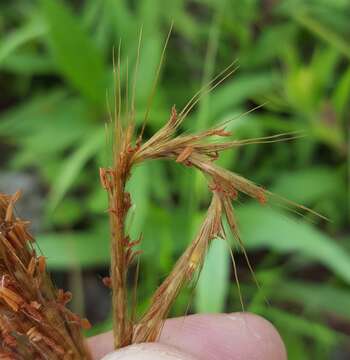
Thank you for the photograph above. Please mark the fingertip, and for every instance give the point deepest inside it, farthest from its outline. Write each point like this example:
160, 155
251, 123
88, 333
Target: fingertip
233, 336
262, 336
100, 345
225, 336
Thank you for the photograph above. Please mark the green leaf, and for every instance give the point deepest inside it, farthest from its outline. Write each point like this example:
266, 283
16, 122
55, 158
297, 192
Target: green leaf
308, 185
68, 212
75, 54
45, 126
139, 187
72, 166
342, 94
296, 348
149, 61
69, 250
185, 23
213, 281
31, 115
28, 63
18, 37
241, 88
103, 327
324, 65
316, 297
300, 325
264, 50
98, 200
158, 245
268, 228
324, 32
121, 20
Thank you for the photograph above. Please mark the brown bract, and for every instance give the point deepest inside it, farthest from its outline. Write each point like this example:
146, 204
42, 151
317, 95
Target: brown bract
34, 322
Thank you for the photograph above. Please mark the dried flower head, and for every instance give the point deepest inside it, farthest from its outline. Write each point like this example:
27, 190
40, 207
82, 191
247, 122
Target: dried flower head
34, 322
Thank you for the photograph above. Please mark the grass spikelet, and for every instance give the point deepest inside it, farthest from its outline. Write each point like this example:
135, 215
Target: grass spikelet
34, 322
149, 327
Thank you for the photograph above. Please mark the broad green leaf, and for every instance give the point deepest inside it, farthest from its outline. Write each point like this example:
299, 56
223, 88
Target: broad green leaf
213, 283
263, 227
73, 165
75, 54
69, 250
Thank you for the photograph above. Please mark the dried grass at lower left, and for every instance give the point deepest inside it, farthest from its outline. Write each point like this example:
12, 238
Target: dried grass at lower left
34, 321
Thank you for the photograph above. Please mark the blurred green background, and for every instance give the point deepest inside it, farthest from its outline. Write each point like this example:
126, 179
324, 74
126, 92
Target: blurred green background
55, 72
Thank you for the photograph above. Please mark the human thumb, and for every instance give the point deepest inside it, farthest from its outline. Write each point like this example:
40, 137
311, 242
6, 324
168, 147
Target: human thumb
150, 351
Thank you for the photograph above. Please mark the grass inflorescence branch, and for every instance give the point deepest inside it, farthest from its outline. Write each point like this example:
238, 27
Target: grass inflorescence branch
198, 150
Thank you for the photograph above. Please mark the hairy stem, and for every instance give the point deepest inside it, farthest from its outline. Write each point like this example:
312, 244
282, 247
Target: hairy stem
121, 325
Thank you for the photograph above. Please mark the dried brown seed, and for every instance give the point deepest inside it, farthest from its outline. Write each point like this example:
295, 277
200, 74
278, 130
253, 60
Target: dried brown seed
185, 154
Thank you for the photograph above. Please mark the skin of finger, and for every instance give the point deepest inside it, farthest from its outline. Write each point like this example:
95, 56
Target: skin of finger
150, 351
221, 336
237, 336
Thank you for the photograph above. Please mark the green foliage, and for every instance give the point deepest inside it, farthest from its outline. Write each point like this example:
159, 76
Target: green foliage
80, 246
278, 232
214, 279
72, 166
75, 54
56, 59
